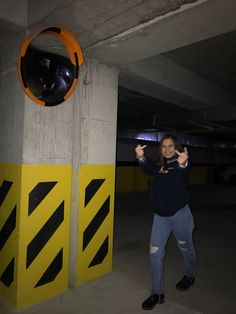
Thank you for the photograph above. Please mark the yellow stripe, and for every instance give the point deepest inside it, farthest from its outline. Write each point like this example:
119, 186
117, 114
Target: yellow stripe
10, 172
22, 293
87, 215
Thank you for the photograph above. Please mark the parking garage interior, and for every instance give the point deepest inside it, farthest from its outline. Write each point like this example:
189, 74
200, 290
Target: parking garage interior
151, 67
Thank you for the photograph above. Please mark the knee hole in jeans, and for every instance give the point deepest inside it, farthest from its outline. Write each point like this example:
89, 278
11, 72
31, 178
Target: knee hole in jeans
182, 245
153, 249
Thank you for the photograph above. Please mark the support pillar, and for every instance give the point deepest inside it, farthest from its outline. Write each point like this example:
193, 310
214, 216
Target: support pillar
35, 190
94, 155
57, 178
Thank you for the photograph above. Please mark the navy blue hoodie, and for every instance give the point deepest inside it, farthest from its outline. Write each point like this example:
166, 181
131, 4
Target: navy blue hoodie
169, 187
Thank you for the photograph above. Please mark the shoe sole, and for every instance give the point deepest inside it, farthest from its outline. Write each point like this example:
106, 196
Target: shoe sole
150, 308
184, 289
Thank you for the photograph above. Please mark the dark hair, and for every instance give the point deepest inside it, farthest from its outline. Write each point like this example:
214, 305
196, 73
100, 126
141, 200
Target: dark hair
175, 140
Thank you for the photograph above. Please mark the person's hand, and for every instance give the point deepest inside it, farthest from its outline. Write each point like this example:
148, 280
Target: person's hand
182, 157
139, 150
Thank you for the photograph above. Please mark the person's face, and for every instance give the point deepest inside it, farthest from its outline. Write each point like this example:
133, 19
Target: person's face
168, 148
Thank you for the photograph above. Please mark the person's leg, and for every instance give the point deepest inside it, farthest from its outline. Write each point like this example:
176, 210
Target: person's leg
160, 233
183, 225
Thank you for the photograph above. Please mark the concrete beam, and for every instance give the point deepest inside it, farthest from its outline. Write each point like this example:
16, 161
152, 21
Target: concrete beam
93, 24
164, 79
9, 31
189, 24
221, 113
14, 12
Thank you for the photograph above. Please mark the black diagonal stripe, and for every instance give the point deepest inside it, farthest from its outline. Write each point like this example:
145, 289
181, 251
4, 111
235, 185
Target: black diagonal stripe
4, 189
39, 192
52, 271
8, 274
96, 222
44, 234
8, 228
101, 254
91, 189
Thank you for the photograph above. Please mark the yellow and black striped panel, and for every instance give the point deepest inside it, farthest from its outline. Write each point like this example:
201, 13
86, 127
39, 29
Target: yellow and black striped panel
9, 220
95, 221
44, 233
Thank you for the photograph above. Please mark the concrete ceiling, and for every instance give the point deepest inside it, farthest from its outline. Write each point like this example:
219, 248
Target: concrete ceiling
212, 59
213, 62
176, 57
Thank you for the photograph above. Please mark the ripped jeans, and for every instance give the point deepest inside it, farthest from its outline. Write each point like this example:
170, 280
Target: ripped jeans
182, 225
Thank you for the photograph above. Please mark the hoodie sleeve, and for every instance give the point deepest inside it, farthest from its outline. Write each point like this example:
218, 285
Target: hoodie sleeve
185, 170
148, 166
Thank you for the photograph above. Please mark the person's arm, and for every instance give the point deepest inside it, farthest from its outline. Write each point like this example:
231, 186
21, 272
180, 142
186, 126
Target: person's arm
183, 161
145, 163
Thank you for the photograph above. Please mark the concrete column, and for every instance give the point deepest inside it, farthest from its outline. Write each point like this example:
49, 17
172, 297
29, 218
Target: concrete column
11, 145
98, 95
11, 103
57, 167
35, 190
94, 152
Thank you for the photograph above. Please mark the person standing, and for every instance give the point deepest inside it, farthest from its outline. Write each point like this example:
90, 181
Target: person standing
171, 213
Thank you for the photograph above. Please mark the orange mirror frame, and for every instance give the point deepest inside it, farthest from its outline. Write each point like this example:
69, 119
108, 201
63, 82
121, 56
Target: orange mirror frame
75, 53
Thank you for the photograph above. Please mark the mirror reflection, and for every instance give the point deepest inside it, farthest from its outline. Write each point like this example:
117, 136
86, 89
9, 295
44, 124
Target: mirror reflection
49, 76
47, 71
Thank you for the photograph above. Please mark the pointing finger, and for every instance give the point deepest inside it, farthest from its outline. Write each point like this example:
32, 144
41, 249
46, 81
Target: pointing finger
186, 151
141, 146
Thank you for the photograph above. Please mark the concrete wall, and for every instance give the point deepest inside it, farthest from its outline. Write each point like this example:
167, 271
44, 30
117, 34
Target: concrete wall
97, 111
48, 133
12, 103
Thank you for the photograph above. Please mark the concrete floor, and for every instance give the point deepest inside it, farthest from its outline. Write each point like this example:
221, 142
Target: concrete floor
122, 291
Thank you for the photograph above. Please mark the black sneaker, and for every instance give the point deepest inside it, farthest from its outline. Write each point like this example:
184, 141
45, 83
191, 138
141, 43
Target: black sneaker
185, 283
150, 303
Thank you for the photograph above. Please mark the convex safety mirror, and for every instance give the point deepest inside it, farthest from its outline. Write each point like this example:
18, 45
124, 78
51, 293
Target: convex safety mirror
49, 64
